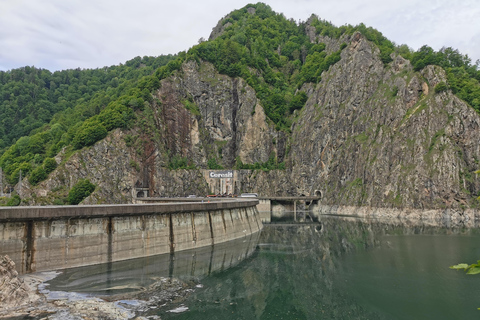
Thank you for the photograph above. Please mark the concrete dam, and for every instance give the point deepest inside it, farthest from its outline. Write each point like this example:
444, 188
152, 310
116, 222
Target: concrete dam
59, 237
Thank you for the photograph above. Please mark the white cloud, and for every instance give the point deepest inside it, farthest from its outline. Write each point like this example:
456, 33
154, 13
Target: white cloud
58, 34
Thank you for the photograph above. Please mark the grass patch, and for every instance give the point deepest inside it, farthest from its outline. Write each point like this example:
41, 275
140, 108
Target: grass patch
191, 106
434, 139
361, 138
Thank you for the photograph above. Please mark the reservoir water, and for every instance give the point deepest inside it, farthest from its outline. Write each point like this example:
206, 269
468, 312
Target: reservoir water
337, 268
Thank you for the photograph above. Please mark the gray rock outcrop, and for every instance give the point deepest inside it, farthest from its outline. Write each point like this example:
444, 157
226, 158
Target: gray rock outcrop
380, 136
14, 292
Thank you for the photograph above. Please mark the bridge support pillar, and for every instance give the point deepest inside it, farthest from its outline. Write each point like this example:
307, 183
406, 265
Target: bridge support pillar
295, 210
264, 208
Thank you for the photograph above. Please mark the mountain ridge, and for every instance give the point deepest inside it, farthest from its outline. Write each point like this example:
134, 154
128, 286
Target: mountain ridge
345, 115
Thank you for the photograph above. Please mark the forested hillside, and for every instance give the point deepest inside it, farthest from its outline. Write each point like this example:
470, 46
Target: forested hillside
42, 112
30, 97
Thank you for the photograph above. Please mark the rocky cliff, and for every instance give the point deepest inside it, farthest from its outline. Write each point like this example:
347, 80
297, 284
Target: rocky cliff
370, 134
380, 135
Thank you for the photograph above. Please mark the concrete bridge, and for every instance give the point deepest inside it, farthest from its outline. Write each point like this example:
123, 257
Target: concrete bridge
286, 207
58, 237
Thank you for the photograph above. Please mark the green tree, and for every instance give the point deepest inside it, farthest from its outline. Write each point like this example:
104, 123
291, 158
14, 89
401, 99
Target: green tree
298, 101
37, 175
423, 57
440, 87
14, 201
49, 164
23, 167
82, 189
90, 132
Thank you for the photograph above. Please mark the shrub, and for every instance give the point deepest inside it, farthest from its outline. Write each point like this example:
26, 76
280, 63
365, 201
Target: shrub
49, 164
37, 175
58, 202
89, 133
177, 162
191, 106
442, 86
213, 165
80, 191
271, 164
394, 91
24, 168
14, 201
135, 165
298, 101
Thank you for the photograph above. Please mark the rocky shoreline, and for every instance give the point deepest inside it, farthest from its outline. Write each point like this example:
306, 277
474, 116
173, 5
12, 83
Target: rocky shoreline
24, 297
468, 218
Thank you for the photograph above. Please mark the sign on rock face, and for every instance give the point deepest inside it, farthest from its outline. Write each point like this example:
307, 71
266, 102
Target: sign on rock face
221, 174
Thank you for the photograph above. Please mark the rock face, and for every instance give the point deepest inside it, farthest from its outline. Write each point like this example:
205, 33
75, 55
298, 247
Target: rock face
370, 134
380, 136
13, 291
228, 120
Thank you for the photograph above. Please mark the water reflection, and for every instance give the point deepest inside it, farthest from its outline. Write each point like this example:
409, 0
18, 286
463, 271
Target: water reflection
135, 275
345, 268
338, 268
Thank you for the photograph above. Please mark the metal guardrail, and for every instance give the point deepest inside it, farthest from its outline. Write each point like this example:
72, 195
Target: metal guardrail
292, 198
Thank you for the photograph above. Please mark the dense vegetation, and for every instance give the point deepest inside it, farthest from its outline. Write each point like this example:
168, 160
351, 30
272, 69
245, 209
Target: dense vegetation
463, 76
42, 112
31, 97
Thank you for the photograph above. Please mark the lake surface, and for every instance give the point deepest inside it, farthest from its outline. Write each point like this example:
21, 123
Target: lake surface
339, 268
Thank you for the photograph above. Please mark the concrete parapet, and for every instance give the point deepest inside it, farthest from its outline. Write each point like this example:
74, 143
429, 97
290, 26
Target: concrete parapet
53, 212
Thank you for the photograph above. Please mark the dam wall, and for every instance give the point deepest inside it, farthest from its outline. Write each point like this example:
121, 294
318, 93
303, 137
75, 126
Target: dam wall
59, 237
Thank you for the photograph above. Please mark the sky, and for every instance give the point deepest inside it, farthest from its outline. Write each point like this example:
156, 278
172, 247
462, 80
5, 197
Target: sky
69, 34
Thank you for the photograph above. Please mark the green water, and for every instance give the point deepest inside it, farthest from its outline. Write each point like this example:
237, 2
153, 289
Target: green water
337, 269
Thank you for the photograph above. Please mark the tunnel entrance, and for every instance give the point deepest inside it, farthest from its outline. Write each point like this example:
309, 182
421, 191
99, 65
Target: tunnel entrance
142, 192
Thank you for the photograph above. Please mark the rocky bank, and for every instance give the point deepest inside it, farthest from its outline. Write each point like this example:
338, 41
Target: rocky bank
21, 298
14, 292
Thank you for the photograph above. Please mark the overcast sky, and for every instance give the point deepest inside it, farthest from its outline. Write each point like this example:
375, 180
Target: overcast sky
66, 34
